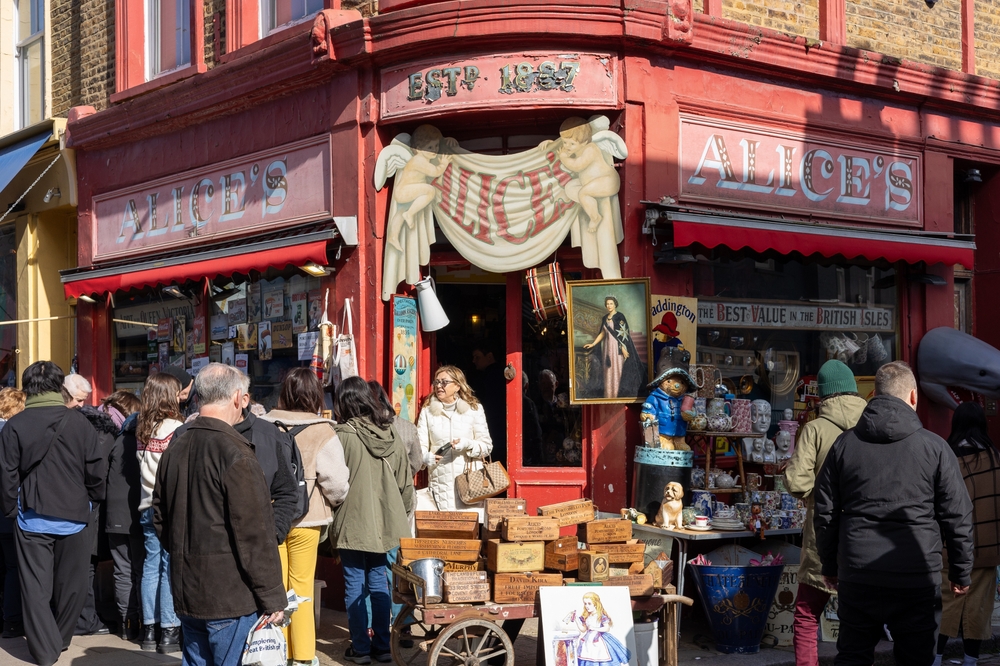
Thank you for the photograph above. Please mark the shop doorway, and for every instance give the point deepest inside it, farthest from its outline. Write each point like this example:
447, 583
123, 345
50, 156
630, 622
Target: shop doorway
476, 342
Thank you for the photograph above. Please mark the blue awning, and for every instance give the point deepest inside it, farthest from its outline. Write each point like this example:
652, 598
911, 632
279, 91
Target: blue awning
13, 158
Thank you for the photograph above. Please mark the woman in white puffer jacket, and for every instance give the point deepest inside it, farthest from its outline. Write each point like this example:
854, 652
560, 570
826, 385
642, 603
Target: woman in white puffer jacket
452, 415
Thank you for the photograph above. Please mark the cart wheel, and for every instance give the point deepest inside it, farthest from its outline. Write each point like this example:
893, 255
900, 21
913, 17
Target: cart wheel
407, 629
471, 643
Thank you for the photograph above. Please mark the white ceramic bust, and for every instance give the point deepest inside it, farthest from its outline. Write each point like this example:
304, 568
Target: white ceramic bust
769, 456
757, 455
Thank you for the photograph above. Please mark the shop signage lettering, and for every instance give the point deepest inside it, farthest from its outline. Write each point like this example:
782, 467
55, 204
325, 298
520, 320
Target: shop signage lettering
724, 162
578, 79
272, 189
795, 316
502, 213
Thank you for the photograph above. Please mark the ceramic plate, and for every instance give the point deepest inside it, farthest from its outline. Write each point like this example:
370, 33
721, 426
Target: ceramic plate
734, 528
695, 528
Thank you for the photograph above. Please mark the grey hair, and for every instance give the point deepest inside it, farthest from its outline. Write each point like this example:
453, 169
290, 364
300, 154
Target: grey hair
77, 386
217, 382
551, 375
895, 379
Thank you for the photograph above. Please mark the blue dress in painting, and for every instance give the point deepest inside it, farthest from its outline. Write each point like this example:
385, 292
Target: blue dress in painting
597, 646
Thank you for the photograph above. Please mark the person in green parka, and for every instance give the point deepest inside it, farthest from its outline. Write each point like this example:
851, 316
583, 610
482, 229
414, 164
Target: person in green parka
839, 410
373, 518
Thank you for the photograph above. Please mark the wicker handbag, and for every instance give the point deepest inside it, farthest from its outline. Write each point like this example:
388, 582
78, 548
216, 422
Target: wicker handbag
475, 485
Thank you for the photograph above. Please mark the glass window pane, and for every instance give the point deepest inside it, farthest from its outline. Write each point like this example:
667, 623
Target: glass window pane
169, 35
283, 12
32, 96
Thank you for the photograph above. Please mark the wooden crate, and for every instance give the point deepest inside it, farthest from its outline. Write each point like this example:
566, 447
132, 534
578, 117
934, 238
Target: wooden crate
485, 534
640, 585
522, 587
593, 566
498, 509
453, 550
662, 577
612, 530
530, 528
569, 513
447, 524
466, 593
479, 565
514, 557
622, 553
463, 577
561, 554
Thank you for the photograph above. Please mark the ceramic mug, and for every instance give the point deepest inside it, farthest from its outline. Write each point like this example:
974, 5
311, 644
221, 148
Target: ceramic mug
698, 478
787, 502
772, 500
753, 482
701, 406
701, 502
741, 415
718, 407
760, 414
742, 512
701, 521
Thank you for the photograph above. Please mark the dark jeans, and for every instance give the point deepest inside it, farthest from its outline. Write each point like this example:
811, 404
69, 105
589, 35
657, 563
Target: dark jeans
215, 642
128, 554
11, 581
364, 577
912, 615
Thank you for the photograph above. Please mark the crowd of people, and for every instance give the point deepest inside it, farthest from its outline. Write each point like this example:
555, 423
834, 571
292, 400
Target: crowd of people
213, 511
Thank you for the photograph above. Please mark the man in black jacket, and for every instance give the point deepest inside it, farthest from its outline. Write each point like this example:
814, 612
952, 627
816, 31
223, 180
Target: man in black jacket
888, 491
51, 471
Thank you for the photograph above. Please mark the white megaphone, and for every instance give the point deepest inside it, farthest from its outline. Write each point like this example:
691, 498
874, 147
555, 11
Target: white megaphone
432, 316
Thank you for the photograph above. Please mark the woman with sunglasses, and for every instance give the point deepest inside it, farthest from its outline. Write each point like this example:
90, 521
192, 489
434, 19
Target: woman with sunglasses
453, 433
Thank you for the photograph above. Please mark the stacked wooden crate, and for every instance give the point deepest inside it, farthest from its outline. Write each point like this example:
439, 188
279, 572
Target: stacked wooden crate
611, 556
515, 550
451, 536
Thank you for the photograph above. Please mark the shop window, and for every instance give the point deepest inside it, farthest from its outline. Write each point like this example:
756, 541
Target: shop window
31, 60
168, 36
963, 300
277, 14
769, 326
8, 305
264, 326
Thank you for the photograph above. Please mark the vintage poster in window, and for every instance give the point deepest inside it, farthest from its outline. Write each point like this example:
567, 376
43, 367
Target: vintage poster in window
674, 321
165, 329
254, 306
281, 335
215, 354
246, 337
189, 348
609, 343
243, 363
274, 301
587, 625
229, 353
198, 335
404, 357
237, 311
300, 312
220, 327
180, 334
315, 309
163, 356
264, 341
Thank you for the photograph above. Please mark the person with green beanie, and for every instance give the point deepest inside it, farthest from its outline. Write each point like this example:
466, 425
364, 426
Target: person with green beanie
840, 408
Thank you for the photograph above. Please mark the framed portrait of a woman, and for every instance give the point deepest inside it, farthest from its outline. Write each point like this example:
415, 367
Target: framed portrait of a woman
609, 343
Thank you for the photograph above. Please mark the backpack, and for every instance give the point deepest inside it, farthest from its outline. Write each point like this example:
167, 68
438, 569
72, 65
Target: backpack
298, 469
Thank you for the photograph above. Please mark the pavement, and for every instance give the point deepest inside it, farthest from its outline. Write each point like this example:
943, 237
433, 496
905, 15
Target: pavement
695, 649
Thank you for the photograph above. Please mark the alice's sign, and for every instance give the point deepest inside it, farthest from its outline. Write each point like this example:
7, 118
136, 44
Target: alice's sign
728, 163
502, 212
797, 316
268, 190
519, 79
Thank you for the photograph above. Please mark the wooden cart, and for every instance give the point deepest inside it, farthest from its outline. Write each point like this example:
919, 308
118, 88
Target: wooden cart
470, 634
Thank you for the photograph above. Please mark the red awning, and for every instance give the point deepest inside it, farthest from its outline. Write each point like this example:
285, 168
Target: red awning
150, 274
828, 241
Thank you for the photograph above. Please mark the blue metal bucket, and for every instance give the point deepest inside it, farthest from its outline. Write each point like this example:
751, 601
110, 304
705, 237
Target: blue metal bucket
737, 601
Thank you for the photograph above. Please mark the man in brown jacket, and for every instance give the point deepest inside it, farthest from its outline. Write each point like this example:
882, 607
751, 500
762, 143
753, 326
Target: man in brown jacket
212, 512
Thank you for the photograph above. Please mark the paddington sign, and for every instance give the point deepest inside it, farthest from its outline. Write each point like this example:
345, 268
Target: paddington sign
729, 163
268, 190
517, 79
799, 316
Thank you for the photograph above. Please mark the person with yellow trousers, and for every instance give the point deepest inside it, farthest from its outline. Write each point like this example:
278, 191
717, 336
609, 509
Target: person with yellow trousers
326, 478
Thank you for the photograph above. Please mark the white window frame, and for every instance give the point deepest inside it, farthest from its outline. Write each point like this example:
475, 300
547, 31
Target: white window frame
21, 47
265, 18
152, 36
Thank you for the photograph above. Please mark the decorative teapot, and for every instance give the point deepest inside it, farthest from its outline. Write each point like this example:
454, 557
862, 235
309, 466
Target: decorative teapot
724, 480
720, 423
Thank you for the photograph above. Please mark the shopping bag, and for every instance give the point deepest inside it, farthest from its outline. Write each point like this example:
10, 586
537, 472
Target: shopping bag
475, 485
322, 357
345, 361
265, 646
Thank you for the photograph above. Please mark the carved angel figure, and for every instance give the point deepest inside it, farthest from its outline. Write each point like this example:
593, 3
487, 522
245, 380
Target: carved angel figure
582, 152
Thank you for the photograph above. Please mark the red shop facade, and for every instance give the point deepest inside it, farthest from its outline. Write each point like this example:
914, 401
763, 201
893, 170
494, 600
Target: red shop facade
813, 208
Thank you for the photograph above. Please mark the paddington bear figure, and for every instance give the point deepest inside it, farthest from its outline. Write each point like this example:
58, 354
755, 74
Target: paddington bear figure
668, 408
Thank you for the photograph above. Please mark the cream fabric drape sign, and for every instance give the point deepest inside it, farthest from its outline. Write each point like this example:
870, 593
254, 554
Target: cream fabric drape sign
502, 213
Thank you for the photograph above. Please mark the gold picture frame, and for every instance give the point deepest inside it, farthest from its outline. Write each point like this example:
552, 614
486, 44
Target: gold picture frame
587, 335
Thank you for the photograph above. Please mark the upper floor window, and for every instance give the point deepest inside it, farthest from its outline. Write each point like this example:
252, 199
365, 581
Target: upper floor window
277, 14
168, 36
31, 60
